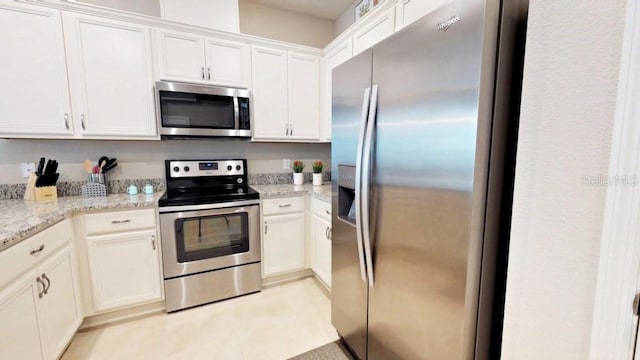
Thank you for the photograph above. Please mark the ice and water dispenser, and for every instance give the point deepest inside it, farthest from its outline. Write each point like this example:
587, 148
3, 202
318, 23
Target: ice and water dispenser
347, 194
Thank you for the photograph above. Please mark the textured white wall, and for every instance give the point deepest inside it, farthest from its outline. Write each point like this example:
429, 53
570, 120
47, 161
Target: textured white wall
568, 102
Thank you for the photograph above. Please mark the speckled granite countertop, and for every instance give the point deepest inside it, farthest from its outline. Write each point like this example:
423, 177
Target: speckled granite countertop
272, 191
20, 219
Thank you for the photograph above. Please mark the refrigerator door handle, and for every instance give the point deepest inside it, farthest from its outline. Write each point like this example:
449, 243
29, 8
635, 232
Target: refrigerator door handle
361, 135
366, 181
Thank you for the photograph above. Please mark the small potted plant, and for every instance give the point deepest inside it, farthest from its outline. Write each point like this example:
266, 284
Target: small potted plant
317, 172
297, 167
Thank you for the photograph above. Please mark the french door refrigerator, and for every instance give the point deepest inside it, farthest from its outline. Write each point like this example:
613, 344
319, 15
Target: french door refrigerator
423, 150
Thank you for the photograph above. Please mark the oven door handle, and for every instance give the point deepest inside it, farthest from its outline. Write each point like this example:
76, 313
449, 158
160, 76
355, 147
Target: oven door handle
181, 208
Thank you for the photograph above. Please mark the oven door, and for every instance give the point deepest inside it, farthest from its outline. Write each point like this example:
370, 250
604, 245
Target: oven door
203, 240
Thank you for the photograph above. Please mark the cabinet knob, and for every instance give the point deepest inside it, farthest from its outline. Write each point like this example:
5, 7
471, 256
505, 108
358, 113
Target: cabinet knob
66, 121
202, 70
82, 122
265, 228
153, 242
208, 73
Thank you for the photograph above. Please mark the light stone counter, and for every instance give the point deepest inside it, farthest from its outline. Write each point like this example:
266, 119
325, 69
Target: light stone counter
273, 191
20, 219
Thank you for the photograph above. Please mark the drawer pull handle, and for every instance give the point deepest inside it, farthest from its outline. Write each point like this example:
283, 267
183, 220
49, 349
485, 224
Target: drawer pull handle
41, 293
285, 205
328, 212
33, 252
153, 242
265, 228
121, 221
46, 289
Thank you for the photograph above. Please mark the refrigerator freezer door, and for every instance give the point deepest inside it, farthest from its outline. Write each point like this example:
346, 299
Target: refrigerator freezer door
348, 290
424, 153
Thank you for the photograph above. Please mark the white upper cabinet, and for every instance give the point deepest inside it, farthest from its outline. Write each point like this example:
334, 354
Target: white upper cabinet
408, 11
111, 77
214, 14
340, 53
304, 96
286, 95
198, 59
270, 106
34, 97
374, 31
228, 63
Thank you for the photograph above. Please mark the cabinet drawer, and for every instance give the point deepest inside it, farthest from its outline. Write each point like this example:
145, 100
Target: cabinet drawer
118, 221
321, 208
282, 206
25, 255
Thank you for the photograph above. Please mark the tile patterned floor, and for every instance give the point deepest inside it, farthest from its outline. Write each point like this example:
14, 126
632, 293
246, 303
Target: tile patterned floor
278, 323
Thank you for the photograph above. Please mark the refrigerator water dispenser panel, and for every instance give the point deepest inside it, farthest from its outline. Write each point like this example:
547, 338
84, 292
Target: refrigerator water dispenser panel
347, 194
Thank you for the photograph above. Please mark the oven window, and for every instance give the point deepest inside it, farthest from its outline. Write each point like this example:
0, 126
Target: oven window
184, 110
211, 236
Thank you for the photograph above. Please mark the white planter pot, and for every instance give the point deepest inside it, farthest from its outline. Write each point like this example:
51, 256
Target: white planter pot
298, 178
317, 179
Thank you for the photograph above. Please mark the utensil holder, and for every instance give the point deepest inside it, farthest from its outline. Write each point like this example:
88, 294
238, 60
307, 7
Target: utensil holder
46, 193
99, 178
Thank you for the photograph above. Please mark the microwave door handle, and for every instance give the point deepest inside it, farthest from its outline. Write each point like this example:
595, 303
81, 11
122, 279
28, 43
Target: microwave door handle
236, 113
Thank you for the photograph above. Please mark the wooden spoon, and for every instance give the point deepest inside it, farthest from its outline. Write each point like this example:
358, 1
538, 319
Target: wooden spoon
88, 166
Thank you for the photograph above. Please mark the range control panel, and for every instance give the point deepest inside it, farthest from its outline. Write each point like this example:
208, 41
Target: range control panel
205, 168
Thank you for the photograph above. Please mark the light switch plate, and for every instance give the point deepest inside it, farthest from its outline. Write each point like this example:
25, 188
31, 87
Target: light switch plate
286, 164
27, 169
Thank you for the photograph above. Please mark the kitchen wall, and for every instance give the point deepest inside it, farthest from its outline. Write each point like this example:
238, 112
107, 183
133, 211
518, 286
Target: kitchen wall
569, 93
273, 23
145, 159
345, 20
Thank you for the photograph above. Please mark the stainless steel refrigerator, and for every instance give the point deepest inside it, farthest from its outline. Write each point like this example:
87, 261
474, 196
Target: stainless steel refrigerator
423, 148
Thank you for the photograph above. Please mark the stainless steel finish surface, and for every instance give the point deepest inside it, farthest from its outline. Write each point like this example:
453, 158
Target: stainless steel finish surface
194, 168
172, 268
201, 89
33, 252
358, 189
432, 218
211, 286
365, 185
348, 290
223, 205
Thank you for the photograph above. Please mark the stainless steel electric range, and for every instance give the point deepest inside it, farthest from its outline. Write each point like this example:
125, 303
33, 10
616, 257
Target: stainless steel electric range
210, 229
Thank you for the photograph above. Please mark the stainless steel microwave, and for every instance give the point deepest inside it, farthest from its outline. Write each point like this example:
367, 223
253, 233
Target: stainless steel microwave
191, 110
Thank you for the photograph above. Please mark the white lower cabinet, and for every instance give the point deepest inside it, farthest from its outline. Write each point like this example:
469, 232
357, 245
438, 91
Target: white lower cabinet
283, 236
40, 309
124, 264
321, 259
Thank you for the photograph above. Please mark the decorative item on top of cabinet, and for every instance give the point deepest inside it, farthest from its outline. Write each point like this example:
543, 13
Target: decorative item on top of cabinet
363, 7
193, 58
286, 95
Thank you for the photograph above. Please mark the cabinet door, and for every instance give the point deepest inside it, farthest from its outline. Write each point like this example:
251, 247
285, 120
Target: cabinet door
180, 56
228, 63
269, 78
283, 244
124, 269
408, 11
34, 97
304, 96
19, 331
321, 265
374, 31
340, 53
112, 76
61, 314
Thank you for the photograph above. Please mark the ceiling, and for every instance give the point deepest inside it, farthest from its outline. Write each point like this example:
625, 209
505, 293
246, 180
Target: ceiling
325, 9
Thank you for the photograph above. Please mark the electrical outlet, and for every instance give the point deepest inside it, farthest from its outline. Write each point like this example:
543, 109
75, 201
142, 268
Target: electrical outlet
27, 169
286, 164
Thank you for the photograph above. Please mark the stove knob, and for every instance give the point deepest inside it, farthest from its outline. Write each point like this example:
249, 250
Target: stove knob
176, 169
240, 191
186, 169
240, 181
229, 167
238, 167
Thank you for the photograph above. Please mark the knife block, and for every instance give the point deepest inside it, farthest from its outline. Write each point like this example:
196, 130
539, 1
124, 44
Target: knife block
46, 193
